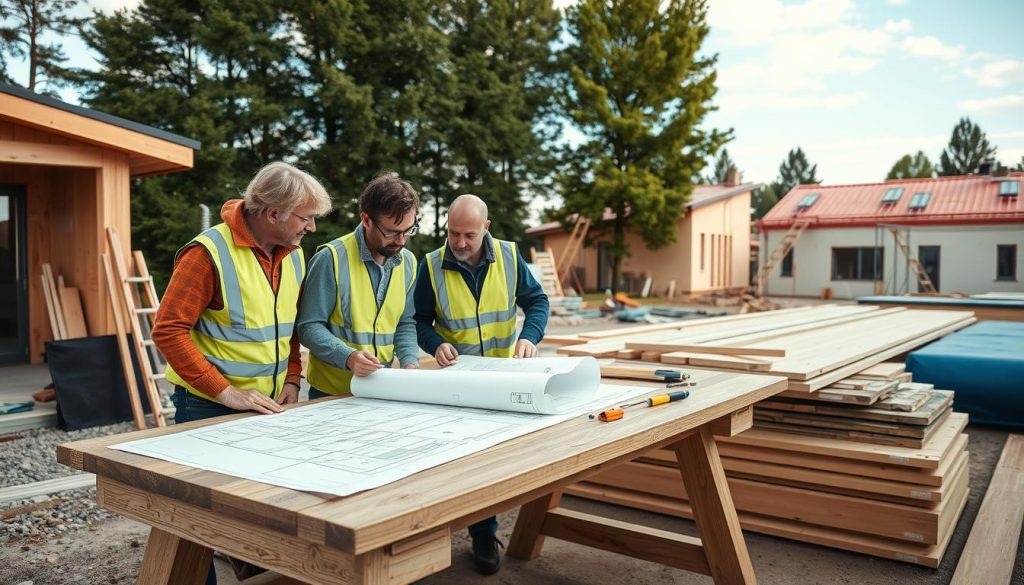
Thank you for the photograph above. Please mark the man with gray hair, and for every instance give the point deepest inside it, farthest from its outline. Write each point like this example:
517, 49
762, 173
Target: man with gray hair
226, 321
467, 292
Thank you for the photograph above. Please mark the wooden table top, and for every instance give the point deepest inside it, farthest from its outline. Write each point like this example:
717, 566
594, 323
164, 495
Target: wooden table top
454, 494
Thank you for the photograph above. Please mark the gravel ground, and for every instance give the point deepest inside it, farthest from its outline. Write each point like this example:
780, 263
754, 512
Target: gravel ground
33, 458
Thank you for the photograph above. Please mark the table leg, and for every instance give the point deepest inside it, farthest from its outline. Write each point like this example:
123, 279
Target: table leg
713, 509
527, 539
172, 560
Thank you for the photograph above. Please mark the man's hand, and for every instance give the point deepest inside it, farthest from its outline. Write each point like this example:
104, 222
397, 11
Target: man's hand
446, 355
232, 397
289, 393
525, 349
363, 363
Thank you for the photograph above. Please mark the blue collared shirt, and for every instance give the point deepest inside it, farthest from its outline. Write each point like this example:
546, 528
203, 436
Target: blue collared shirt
320, 295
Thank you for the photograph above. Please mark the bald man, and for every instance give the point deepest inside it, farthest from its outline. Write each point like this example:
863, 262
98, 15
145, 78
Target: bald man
466, 297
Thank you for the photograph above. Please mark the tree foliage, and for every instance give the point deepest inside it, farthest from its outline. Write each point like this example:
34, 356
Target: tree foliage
911, 167
722, 165
639, 92
25, 29
968, 147
795, 170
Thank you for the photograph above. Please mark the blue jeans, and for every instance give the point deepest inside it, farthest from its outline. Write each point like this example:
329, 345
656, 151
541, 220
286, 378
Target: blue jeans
314, 393
189, 407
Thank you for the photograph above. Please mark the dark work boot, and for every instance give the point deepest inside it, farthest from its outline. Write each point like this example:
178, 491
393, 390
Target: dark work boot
486, 558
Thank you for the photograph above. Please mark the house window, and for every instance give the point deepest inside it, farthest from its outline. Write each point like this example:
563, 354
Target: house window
786, 270
892, 195
1006, 262
920, 200
1009, 188
808, 201
857, 263
702, 252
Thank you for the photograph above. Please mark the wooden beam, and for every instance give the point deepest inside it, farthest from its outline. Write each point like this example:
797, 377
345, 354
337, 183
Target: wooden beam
38, 153
735, 423
172, 560
527, 536
988, 556
29, 113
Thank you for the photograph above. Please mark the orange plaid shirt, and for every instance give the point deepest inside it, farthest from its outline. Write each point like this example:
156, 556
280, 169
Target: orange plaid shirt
194, 287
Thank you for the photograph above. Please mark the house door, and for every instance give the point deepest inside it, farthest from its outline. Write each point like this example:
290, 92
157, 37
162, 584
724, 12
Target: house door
13, 279
928, 256
604, 267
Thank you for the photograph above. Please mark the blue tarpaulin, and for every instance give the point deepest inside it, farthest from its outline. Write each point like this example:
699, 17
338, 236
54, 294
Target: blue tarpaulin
984, 365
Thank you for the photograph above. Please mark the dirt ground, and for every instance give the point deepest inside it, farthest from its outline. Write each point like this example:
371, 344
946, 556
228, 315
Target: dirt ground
111, 551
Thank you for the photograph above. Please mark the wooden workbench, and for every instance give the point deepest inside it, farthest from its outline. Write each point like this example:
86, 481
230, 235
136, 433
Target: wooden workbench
401, 532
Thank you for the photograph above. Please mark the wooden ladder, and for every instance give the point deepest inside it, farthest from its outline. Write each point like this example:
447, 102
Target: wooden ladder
780, 251
548, 272
572, 247
915, 264
118, 278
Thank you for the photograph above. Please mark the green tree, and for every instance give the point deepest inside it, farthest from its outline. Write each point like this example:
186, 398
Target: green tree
722, 165
911, 167
968, 147
762, 200
503, 63
26, 27
795, 170
639, 92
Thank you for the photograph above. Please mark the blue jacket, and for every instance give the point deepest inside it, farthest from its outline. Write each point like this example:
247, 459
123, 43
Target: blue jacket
530, 296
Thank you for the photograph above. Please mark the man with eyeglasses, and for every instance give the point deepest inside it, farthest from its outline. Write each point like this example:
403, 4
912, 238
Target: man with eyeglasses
467, 292
356, 312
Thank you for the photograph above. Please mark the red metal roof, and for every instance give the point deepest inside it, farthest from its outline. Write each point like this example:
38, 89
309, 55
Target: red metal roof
968, 199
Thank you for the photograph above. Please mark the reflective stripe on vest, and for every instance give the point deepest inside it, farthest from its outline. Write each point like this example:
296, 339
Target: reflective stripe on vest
248, 339
355, 319
486, 327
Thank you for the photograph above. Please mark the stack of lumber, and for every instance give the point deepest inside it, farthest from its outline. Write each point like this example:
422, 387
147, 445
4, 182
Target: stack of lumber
853, 455
63, 307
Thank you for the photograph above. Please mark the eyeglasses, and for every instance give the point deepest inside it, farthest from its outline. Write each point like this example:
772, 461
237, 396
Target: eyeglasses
395, 235
311, 220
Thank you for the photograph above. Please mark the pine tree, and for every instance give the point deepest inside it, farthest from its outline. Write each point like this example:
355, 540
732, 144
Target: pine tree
722, 166
762, 200
911, 167
26, 27
639, 92
968, 147
795, 170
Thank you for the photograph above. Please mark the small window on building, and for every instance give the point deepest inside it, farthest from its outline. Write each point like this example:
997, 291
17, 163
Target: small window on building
1006, 262
808, 200
1009, 188
857, 263
920, 200
702, 252
892, 195
786, 270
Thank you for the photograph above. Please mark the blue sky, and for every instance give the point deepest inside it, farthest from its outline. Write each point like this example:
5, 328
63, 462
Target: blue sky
855, 84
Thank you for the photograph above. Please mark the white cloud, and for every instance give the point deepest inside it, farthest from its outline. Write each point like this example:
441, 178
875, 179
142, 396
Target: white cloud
740, 101
999, 73
758, 22
929, 46
898, 26
1003, 102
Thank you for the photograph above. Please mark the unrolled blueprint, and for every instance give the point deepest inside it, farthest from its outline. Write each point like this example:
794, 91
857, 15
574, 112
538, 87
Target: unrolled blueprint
348, 445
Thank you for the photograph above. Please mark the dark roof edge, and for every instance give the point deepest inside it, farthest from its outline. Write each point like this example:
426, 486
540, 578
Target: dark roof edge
99, 116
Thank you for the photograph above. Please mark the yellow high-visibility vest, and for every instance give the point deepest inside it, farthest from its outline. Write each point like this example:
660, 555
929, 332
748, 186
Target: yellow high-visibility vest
248, 339
355, 319
486, 327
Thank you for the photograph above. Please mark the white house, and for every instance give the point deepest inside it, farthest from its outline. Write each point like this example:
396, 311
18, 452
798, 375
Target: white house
967, 233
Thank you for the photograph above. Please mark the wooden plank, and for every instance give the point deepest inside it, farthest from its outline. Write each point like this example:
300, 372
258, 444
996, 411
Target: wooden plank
50, 288
172, 560
991, 548
713, 509
862, 436
658, 327
732, 362
38, 153
832, 395
925, 555
648, 544
923, 477
734, 424
839, 423
928, 457
883, 371
908, 397
51, 309
925, 415
698, 348
528, 533
122, 347
71, 307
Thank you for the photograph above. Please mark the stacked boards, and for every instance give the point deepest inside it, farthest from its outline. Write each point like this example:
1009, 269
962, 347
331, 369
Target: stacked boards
869, 496
853, 455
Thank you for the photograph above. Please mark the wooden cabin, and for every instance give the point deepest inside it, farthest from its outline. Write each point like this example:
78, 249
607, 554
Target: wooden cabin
65, 176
